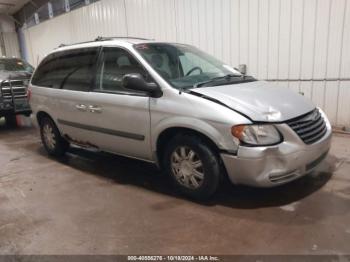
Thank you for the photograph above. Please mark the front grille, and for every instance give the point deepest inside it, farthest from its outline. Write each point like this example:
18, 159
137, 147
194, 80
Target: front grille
8, 83
310, 127
15, 88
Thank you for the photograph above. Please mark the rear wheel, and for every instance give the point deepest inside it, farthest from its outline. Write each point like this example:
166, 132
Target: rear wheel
53, 142
193, 166
11, 120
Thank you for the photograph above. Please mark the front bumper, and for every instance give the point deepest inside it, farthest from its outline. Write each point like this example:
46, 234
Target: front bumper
275, 165
11, 111
8, 108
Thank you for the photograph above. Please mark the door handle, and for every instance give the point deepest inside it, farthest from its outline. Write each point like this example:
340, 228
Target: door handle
81, 107
95, 109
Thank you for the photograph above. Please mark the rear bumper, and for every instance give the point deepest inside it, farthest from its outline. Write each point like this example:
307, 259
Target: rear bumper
275, 165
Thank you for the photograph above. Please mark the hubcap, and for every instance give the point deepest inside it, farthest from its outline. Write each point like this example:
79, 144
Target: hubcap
187, 167
49, 137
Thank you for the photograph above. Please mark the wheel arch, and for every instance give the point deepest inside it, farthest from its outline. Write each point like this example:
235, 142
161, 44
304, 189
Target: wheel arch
217, 133
169, 133
41, 114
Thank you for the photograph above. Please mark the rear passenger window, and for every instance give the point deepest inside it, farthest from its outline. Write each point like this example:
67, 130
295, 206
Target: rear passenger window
77, 69
114, 64
72, 70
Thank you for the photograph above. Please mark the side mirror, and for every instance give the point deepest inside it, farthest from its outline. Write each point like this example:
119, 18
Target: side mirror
242, 69
136, 82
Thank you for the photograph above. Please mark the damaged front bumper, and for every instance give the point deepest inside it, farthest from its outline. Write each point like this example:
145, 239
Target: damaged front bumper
269, 166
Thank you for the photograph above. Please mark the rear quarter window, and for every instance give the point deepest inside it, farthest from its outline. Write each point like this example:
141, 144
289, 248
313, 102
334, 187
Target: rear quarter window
72, 70
44, 75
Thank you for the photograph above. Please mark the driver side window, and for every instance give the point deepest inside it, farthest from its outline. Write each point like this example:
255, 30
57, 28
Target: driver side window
114, 64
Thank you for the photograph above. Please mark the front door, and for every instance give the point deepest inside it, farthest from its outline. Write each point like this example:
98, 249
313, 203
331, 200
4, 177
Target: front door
118, 119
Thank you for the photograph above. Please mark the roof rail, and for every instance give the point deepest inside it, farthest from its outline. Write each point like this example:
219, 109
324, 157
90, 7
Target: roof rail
63, 45
101, 38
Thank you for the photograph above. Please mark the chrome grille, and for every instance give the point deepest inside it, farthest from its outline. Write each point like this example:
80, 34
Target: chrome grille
19, 90
310, 127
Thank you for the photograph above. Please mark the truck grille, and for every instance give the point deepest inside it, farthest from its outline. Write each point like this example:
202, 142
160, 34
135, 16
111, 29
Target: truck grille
310, 127
19, 90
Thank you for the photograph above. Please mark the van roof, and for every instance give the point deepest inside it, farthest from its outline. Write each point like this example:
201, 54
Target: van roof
105, 41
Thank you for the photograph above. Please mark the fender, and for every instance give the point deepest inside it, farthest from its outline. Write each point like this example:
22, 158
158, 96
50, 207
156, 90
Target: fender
201, 126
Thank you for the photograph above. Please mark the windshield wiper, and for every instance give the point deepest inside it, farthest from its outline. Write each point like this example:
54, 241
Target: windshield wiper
225, 77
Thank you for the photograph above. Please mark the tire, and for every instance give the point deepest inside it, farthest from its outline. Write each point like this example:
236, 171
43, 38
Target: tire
51, 138
192, 149
11, 120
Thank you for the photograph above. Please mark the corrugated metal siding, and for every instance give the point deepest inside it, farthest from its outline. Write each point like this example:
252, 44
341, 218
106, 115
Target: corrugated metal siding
284, 40
11, 44
8, 37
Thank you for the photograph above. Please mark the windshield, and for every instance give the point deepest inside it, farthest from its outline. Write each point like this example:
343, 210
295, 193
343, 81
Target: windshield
14, 64
185, 66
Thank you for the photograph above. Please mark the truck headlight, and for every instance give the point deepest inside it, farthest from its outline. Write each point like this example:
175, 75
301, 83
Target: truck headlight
257, 135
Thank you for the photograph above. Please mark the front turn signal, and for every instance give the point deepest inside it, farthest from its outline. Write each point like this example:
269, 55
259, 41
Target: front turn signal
237, 131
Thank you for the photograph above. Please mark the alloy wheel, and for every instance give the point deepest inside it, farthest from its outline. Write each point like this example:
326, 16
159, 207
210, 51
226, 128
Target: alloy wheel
49, 137
187, 167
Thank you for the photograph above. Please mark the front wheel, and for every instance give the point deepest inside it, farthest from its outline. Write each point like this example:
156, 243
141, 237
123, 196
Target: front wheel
193, 166
54, 144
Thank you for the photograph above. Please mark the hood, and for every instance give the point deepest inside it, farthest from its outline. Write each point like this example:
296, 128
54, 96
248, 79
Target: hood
5, 75
259, 100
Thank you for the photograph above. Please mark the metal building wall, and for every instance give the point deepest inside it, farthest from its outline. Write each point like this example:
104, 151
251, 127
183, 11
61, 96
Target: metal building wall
8, 37
11, 44
302, 44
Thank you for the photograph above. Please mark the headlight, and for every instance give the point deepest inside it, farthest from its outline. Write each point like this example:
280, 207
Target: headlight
257, 135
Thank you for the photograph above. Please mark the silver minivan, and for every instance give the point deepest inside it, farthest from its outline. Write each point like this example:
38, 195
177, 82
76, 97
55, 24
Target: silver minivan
171, 104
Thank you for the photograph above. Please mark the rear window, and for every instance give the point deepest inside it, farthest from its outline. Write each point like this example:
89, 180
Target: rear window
73, 70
